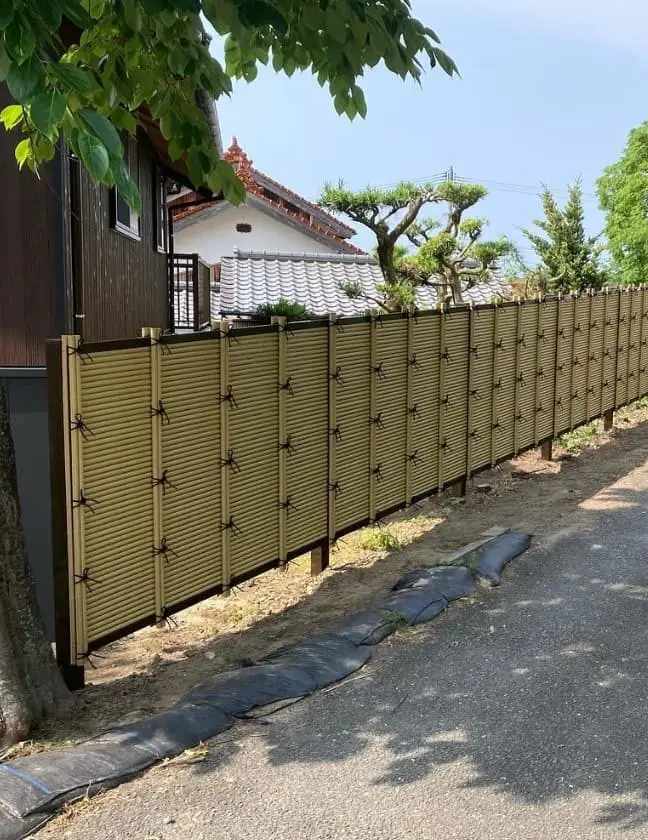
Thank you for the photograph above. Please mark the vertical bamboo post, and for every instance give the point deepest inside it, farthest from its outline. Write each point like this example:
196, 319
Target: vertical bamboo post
642, 340
537, 400
555, 394
629, 340
494, 387
225, 447
332, 398
153, 333
471, 387
282, 338
518, 373
590, 330
373, 411
616, 355
409, 408
70, 346
572, 361
442, 367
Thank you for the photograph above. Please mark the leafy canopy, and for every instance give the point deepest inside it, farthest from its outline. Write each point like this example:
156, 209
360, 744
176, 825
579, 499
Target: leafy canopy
450, 255
571, 259
623, 195
82, 69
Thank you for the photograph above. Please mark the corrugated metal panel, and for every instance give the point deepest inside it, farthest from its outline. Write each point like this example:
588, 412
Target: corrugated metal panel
116, 475
191, 502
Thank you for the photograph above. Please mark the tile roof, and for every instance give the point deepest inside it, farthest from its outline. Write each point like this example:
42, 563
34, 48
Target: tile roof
251, 278
308, 215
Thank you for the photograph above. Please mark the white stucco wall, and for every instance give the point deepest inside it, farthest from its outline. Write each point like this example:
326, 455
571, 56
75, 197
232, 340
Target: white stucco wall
217, 236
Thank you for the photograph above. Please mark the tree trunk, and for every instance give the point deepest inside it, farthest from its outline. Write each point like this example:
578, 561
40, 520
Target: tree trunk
31, 687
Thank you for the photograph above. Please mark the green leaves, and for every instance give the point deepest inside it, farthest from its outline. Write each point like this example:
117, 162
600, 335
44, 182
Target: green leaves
74, 77
94, 156
19, 40
47, 111
11, 116
22, 152
103, 130
126, 187
259, 13
24, 79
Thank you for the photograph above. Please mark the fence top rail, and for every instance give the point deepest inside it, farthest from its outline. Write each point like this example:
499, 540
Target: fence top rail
242, 333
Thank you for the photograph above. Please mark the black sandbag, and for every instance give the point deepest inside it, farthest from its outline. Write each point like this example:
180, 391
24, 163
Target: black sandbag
41, 782
326, 659
236, 692
497, 553
366, 628
15, 828
408, 604
450, 582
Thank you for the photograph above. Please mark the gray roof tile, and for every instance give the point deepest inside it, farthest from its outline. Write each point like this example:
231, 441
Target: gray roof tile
251, 278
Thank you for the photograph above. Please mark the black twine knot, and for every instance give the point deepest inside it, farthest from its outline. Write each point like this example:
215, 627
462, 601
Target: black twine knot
379, 371
230, 462
446, 402
160, 412
474, 433
163, 550
337, 375
521, 380
228, 397
446, 355
542, 337
287, 505
522, 340
230, 525
497, 385
287, 446
162, 481
84, 501
414, 362
377, 471
378, 421
86, 578
475, 350
287, 386
335, 488
413, 458
336, 432
594, 325
414, 412
79, 425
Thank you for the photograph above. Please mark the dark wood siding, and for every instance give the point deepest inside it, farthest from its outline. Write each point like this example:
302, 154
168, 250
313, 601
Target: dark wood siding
28, 257
120, 282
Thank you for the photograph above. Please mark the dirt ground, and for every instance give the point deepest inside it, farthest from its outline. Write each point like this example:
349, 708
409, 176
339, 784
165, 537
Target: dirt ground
148, 671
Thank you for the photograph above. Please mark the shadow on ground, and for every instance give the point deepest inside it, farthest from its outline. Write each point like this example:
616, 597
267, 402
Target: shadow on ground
541, 686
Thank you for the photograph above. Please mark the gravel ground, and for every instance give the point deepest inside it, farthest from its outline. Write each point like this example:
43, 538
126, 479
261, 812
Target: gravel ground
518, 717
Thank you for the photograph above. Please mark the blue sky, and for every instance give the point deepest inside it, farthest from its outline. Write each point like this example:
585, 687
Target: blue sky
549, 91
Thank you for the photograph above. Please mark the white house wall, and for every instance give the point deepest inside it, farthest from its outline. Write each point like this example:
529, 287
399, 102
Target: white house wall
217, 236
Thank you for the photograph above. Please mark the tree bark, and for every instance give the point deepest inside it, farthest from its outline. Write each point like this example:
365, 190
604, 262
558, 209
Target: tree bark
31, 687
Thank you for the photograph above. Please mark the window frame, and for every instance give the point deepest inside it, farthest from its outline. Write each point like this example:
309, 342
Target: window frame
161, 227
133, 230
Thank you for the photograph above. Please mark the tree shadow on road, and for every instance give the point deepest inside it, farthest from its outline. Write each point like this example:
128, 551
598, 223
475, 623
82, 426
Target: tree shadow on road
540, 686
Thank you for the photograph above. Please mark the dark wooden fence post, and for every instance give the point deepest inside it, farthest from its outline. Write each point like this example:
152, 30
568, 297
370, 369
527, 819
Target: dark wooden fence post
320, 558
608, 420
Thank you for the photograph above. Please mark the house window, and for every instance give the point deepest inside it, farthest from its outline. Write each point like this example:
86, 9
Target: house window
125, 219
160, 203
243, 227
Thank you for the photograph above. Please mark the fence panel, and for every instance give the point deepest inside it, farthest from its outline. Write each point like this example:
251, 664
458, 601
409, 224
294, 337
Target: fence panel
250, 396
196, 461
390, 374
425, 398
188, 478
113, 499
352, 377
305, 444
481, 393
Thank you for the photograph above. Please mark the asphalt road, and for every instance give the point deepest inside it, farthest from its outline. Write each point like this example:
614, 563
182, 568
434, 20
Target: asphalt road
520, 717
